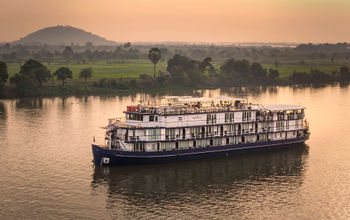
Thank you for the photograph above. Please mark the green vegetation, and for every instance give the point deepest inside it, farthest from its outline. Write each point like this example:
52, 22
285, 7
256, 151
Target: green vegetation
93, 69
63, 73
102, 69
3, 75
286, 70
135, 68
85, 74
154, 56
3, 72
181, 71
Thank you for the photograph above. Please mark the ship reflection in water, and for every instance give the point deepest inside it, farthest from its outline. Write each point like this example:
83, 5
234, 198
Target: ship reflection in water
226, 187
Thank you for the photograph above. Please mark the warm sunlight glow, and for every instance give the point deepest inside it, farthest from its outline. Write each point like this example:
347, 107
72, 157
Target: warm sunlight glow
184, 20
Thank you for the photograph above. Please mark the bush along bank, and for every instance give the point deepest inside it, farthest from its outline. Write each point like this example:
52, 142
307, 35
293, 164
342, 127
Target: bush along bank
34, 79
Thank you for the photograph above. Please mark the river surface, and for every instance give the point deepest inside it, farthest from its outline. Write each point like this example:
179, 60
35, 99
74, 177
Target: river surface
46, 169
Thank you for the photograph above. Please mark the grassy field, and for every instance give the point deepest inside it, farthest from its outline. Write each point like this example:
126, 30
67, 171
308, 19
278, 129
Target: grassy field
134, 68
121, 69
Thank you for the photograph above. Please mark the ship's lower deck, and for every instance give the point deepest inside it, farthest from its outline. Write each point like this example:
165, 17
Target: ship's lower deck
104, 156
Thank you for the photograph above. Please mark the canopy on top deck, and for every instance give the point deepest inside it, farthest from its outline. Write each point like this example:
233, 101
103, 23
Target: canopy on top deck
279, 107
190, 99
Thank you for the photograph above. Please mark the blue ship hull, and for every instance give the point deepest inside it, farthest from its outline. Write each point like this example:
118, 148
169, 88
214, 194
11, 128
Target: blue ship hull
103, 156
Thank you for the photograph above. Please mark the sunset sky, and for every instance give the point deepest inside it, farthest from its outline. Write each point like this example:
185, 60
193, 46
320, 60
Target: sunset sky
298, 21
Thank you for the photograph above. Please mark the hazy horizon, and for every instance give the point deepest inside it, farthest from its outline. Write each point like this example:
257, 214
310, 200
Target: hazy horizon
223, 21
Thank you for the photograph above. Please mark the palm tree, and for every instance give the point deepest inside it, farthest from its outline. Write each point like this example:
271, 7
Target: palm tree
63, 73
154, 56
85, 74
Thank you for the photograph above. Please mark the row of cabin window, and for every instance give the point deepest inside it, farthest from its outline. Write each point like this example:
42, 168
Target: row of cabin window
229, 117
137, 117
205, 143
208, 142
244, 128
211, 118
296, 114
212, 129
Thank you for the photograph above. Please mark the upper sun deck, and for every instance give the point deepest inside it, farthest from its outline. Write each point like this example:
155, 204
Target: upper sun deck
182, 105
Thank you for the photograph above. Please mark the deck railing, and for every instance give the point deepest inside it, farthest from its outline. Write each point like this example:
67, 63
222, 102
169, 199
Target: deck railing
177, 110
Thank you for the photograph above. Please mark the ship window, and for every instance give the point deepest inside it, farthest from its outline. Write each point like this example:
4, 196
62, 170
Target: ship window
220, 141
229, 117
211, 118
139, 147
135, 117
151, 118
183, 145
180, 118
153, 134
246, 116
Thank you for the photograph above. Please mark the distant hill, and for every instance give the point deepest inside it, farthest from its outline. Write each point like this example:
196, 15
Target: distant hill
63, 35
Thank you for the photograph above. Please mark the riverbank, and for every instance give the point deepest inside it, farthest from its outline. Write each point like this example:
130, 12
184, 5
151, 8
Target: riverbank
182, 73
10, 92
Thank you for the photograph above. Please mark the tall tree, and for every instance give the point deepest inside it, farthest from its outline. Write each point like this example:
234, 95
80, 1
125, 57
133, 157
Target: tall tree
35, 71
154, 56
40, 75
234, 72
184, 70
63, 73
3, 72
85, 74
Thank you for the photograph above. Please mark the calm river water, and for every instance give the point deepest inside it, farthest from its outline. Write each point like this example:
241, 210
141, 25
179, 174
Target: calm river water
46, 170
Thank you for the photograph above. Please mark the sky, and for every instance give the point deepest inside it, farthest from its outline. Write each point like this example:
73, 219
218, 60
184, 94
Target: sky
213, 21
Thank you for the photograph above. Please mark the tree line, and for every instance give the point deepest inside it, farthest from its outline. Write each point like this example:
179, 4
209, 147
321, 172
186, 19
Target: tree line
181, 71
33, 75
186, 72
189, 72
301, 54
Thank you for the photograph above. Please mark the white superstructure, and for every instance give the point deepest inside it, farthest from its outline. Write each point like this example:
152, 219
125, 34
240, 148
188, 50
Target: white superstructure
179, 123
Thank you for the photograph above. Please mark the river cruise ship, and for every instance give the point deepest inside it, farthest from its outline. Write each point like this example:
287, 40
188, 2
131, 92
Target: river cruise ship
178, 128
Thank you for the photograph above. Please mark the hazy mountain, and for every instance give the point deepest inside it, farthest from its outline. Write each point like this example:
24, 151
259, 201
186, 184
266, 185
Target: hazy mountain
66, 35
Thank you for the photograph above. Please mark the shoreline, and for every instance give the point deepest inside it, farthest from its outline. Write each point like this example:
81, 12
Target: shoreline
85, 90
